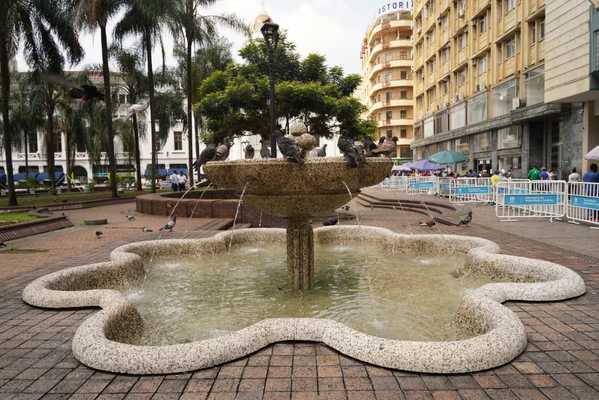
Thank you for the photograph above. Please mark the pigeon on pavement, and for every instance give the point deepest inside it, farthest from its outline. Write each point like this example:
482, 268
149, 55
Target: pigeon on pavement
170, 225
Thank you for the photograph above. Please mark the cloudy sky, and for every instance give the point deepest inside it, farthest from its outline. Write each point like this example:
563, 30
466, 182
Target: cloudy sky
333, 28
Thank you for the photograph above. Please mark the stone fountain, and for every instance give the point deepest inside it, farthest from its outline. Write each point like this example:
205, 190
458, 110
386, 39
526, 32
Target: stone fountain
298, 193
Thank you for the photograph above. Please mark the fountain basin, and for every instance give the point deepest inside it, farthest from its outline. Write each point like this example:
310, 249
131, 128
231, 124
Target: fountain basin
496, 334
289, 190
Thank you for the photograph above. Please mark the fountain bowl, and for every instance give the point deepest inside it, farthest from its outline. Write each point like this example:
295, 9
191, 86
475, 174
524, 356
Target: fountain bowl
290, 190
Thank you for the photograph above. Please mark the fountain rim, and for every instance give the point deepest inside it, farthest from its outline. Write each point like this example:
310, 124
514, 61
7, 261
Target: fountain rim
503, 337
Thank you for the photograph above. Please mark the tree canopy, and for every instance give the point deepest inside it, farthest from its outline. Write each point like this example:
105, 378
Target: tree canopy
234, 101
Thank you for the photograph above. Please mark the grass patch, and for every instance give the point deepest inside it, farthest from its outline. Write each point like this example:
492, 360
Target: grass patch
16, 218
73, 197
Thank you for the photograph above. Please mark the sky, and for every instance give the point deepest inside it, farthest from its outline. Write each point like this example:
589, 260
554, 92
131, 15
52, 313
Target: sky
333, 28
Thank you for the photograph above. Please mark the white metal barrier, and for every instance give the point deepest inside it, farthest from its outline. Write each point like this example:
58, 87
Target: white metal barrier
443, 187
423, 185
395, 183
531, 199
583, 202
471, 190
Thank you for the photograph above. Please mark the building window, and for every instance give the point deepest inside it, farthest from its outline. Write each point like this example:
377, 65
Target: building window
457, 116
482, 142
178, 141
508, 138
532, 31
389, 115
477, 109
389, 133
403, 114
535, 86
542, 30
405, 152
58, 143
510, 48
404, 75
387, 97
463, 145
482, 65
502, 98
509, 5
482, 24
403, 94
403, 133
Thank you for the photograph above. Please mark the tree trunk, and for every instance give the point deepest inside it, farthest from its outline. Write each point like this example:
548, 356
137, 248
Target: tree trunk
67, 139
137, 156
26, 137
108, 102
196, 128
50, 139
148, 43
189, 111
12, 196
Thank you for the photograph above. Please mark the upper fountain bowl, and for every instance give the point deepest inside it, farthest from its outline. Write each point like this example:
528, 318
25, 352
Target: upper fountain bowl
290, 190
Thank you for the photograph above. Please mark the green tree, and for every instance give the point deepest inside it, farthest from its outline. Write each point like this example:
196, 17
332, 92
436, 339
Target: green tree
144, 19
93, 15
41, 28
234, 101
189, 26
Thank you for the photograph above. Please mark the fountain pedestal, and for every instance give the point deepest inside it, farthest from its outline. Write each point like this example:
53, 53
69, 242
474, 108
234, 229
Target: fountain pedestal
298, 193
300, 253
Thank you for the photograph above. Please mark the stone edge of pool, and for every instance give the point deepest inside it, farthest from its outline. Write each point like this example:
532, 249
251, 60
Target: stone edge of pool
499, 336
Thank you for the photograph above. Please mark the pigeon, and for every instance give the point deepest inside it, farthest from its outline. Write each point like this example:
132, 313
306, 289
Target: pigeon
2, 245
369, 146
331, 221
250, 152
387, 148
170, 225
99, 234
147, 230
289, 148
222, 152
429, 222
264, 150
130, 217
208, 154
464, 215
322, 151
352, 154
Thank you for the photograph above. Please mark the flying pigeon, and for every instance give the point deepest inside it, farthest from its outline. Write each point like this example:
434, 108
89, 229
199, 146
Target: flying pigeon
322, 151
352, 154
331, 221
222, 152
289, 148
250, 152
170, 225
208, 154
99, 234
83, 92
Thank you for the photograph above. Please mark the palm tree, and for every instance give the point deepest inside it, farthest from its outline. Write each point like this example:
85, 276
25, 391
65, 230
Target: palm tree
41, 28
144, 19
189, 27
94, 14
130, 63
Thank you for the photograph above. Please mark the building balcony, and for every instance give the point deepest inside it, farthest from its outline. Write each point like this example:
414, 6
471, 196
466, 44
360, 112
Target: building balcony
443, 38
481, 42
509, 22
389, 85
534, 6
507, 68
536, 53
394, 44
443, 6
30, 156
460, 57
393, 24
405, 63
478, 6
392, 103
389, 123
443, 70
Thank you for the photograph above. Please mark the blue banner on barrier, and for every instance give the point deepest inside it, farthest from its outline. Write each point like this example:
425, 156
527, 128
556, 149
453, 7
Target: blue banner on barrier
532, 199
421, 185
503, 190
474, 190
592, 203
444, 187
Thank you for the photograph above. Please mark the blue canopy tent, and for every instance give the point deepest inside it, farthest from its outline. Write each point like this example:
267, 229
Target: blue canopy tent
425, 165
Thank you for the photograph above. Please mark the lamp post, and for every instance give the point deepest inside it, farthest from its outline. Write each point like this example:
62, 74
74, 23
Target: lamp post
270, 31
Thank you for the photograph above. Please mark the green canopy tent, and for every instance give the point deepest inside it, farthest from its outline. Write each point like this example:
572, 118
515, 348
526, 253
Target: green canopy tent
448, 157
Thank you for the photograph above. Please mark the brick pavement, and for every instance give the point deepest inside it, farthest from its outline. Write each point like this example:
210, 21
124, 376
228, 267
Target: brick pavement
561, 361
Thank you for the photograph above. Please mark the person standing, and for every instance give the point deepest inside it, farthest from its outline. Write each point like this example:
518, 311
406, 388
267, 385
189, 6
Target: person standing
592, 176
574, 177
544, 175
174, 180
182, 181
534, 174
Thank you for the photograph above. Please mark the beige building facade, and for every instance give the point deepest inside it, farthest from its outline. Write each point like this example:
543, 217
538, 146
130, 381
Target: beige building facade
387, 88
479, 86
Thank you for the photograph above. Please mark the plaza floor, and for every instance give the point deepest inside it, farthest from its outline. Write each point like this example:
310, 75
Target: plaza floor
561, 361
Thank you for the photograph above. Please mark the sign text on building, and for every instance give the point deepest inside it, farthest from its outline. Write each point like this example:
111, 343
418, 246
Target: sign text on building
391, 6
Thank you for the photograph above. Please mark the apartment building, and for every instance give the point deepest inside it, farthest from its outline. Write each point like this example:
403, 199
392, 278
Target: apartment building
387, 89
479, 86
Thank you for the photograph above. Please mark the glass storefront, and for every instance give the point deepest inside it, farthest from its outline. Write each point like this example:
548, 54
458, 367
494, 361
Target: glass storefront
477, 109
510, 137
535, 86
502, 98
457, 116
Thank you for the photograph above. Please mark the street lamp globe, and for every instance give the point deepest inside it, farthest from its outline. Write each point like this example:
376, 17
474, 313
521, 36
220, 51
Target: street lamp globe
270, 31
